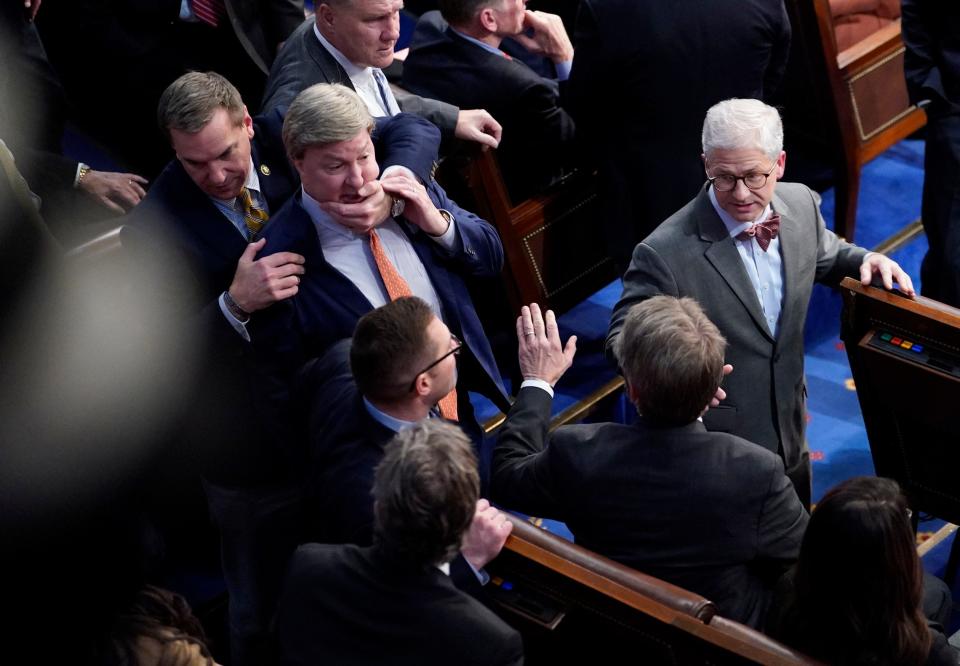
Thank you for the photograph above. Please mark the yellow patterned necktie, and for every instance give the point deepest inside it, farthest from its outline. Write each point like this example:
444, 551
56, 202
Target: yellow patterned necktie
397, 287
254, 217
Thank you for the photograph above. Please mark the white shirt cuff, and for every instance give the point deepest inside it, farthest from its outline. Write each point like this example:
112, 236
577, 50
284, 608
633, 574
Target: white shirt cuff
482, 576
539, 383
238, 325
399, 168
448, 239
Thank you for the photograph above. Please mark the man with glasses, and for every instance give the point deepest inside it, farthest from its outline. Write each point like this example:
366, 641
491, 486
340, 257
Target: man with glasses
749, 250
393, 373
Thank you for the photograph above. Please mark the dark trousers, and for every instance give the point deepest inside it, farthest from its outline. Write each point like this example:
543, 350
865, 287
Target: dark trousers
940, 271
801, 475
259, 530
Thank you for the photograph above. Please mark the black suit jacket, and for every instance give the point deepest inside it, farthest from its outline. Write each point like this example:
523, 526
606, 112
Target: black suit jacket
357, 606
303, 61
931, 33
644, 75
709, 512
537, 133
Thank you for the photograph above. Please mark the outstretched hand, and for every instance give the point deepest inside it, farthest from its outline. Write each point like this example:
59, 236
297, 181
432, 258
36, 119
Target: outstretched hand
259, 283
541, 354
889, 272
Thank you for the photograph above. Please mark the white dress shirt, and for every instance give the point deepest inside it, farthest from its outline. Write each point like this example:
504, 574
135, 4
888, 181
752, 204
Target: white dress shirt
369, 82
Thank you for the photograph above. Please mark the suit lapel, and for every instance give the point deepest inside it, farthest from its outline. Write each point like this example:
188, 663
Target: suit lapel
332, 71
723, 256
790, 254
204, 220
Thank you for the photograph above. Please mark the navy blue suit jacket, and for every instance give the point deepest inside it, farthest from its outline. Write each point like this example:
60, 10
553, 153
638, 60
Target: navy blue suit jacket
177, 225
328, 305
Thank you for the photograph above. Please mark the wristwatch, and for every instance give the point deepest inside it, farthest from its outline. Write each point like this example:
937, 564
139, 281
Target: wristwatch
397, 208
81, 172
239, 313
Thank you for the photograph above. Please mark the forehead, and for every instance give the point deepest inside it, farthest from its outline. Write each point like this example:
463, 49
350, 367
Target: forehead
740, 160
372, 9
342, 150
217, 136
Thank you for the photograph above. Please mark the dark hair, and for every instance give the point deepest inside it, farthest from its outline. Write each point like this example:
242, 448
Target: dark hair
858, 583
164, 617
672, 355
189, 103
425, 493
461, 12
389, 346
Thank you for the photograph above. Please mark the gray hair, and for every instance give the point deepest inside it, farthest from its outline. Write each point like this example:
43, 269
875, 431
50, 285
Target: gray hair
461, 12
189, 103
672, 355
425, 492
743, 124
322, 114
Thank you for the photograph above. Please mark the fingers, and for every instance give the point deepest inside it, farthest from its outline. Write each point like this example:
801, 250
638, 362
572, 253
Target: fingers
482, 504
727, 369
528, 43
906, 284
282, 258
526, 329
251, 250
537, 320
570, 350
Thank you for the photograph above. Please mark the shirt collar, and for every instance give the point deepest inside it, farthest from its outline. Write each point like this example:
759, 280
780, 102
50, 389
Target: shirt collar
384, 419
483, 45
734, 227
351, 69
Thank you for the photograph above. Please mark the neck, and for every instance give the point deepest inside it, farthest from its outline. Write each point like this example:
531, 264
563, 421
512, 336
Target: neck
410, 410
481, 34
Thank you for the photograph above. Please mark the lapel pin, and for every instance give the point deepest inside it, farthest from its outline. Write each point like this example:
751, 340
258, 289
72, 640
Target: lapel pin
264, 169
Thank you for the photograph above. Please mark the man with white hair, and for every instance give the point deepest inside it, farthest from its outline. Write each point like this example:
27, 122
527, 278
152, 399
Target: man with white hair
749, 249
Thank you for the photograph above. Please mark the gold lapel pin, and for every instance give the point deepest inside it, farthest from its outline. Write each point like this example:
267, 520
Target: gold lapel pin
264, 169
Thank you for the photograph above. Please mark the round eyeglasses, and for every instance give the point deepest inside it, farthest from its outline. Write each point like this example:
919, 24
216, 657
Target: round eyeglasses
754, 181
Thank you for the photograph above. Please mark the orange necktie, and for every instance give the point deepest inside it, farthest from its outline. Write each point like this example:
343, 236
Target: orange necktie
397, 287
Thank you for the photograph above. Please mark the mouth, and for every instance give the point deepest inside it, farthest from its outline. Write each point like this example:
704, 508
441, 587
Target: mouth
350, 198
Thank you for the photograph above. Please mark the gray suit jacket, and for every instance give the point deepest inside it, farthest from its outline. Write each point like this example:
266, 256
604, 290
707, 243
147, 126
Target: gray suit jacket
691, 254
303, 61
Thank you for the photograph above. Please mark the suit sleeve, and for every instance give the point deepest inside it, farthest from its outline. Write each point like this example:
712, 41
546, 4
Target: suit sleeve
782, 520
441, 114
648, 275
410, 141
780, 41
522, 477
921, 57
480, 252
836, 258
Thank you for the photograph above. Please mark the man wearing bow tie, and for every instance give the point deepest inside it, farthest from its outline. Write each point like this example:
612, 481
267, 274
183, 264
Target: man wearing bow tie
749, 249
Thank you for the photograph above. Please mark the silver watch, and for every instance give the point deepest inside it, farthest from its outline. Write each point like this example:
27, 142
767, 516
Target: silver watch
397, 208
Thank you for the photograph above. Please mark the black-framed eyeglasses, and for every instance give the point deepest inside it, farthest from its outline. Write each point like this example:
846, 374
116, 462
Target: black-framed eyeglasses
754, 181
453, 352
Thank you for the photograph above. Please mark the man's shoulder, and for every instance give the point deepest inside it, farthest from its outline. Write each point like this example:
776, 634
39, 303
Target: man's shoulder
173, 199
314, 561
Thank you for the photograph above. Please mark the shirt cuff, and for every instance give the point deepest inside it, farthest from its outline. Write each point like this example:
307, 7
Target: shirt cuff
482, 576
448, 239
563, 69
539, 383
238, 325
399, 168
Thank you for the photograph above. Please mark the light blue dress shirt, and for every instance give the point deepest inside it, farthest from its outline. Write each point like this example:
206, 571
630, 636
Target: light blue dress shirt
765, 269
350, 254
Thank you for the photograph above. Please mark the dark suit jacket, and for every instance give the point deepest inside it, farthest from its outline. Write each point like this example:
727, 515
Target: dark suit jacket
691, 254
644, 75
303, 61
537, 133
931, 33
178, 225
328, 305
709, 512
350, 605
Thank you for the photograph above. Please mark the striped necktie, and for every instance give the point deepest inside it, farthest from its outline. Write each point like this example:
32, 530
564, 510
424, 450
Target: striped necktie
397, 287
254, 217
209, 11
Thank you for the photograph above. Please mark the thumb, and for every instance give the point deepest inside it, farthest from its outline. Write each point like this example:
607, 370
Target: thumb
571, 348
250, 253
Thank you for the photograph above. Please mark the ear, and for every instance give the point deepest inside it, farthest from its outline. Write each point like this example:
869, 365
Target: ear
632, 394
422, 384
487, 19
247, 122
781, 164
325, 16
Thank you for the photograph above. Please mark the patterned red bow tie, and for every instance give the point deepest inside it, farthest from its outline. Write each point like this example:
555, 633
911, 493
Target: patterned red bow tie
764, 231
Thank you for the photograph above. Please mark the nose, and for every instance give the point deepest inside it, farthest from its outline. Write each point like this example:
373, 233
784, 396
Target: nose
740, 190
392, 32
355, 177
217, 175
